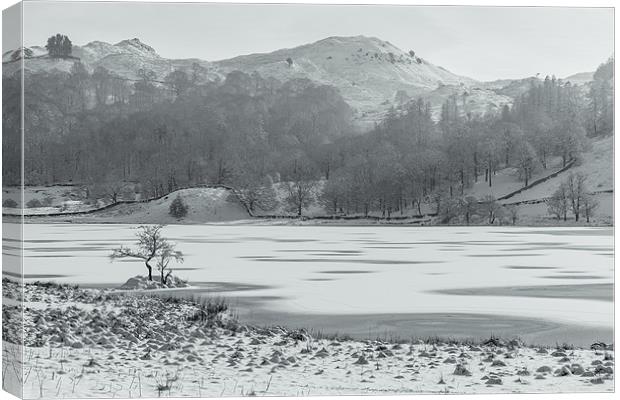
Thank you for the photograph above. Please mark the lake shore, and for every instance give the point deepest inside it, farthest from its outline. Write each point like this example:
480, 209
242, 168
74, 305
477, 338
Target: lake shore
103, 343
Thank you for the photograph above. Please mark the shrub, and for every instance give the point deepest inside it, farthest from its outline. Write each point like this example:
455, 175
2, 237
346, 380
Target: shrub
178, 208
9, 203
209, 310
34, 203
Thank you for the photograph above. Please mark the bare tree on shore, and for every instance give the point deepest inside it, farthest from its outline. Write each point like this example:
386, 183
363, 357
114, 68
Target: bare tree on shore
151, 246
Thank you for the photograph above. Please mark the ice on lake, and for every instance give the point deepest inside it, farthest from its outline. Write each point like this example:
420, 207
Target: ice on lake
559, 275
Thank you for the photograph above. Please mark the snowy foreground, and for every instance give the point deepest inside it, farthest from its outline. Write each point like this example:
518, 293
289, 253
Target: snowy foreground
109, 343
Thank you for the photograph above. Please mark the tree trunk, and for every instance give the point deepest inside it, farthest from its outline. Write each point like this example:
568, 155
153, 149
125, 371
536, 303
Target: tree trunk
150, 270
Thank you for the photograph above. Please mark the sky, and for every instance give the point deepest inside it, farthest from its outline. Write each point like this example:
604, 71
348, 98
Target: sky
484, 43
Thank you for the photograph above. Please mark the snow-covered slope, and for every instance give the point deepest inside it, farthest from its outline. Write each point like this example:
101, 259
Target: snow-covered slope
371, 74
580, 78
367, 71
475, 100
124, 59
203, 205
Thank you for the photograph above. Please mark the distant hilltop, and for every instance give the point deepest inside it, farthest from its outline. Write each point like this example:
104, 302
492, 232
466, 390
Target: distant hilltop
371, 74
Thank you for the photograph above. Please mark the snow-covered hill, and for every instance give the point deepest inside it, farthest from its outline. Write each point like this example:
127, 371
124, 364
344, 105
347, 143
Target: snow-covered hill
580, 78
124, 59
367, 71
371, 74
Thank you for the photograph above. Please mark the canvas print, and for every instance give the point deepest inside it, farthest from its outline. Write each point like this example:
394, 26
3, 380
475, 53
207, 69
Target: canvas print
225, 200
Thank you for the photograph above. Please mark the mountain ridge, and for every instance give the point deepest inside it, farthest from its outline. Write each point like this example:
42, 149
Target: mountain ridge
371, 74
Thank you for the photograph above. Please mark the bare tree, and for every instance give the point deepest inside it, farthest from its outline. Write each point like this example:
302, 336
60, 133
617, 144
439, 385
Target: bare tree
513, 212
589, 205
490, 207
576, 186
524, 159
151, 246
256, 192
449, 210
558, 204
300, 190
110, 190
163, 260
469, 206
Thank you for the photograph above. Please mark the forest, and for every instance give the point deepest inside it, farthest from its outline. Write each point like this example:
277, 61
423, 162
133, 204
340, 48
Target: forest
114, 135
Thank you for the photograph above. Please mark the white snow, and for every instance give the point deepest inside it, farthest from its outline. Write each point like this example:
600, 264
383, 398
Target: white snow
407, 267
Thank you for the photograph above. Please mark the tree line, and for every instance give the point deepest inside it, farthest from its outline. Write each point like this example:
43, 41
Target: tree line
248, 131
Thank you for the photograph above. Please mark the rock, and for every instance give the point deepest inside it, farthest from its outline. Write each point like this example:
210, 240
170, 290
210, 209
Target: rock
361, 361
515, 343
498, 363
494, 381
600, 369
576, 369
597, 381
460, 370
523, 372
544, 369
558, 353
494, 341
564, 371
322, 353
140, 282
601, 346
542, 351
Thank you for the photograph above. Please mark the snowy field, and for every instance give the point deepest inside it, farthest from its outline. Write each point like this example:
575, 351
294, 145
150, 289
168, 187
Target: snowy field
107, 343
562, 277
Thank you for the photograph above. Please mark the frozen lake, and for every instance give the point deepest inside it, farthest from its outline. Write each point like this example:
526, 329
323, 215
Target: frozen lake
545, 284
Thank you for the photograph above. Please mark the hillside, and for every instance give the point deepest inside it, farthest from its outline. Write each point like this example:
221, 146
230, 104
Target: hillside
596, 163
124, 59
371, 74
204, 205
367, 71
580, 78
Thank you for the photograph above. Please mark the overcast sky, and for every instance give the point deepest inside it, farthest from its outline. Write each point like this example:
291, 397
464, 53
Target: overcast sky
484, 43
